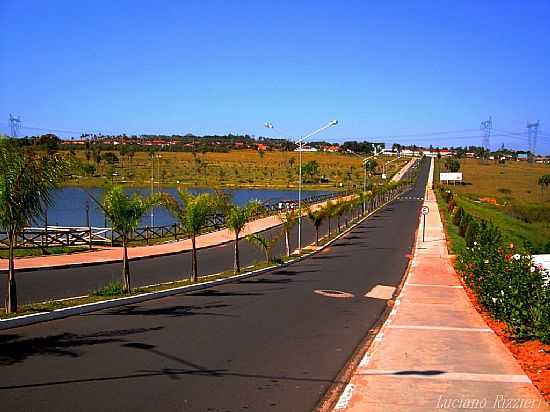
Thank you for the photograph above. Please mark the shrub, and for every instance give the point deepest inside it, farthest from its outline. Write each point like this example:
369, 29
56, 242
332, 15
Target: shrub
471, 233
464, 224
507, 284
457, 216
112, 289
451, 205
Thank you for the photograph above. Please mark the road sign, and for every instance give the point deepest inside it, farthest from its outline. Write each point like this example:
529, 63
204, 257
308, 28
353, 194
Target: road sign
425, 210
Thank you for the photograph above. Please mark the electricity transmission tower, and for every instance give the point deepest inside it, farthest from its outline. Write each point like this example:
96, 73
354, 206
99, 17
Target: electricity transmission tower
532, 131
486, 127
15, 125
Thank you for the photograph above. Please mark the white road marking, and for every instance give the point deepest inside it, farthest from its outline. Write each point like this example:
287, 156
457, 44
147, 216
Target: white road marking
381, 292
345, 397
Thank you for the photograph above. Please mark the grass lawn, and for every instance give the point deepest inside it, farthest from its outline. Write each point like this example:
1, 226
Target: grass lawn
513, 184
510, 181
238, 168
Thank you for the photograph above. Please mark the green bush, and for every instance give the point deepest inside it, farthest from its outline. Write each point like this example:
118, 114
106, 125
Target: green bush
507, 284
471, 232
464, 222
457, 215
112, 289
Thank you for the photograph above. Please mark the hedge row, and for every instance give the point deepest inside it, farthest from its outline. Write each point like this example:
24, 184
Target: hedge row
506, 281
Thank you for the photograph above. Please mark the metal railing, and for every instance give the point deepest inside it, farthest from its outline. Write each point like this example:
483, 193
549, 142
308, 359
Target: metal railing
66, 236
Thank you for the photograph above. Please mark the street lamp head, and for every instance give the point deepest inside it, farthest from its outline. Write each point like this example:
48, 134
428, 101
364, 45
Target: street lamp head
269, 125
333, 123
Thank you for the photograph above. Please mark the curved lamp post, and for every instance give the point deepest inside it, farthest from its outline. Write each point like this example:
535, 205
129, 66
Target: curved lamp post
300, 143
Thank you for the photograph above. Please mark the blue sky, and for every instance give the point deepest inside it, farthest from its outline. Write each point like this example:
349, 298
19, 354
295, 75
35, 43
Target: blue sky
206, 67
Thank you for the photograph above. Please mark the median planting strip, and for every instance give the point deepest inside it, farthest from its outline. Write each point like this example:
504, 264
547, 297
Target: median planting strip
63, 308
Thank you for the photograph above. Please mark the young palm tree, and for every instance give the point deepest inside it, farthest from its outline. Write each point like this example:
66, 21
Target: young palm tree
316, 217
236, 219
329, 210
27, 181
289, 219
339, 210
125, 212
264, 243
192, 212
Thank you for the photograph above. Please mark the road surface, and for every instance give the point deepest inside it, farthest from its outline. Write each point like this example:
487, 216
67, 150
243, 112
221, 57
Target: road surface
269, 343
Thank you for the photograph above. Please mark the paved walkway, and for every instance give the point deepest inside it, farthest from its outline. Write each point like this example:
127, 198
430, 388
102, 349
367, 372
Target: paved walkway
114, 254
399, 175
435, 351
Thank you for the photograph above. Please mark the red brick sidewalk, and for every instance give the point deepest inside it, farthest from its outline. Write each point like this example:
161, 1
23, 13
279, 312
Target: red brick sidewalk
114, 254
435, 351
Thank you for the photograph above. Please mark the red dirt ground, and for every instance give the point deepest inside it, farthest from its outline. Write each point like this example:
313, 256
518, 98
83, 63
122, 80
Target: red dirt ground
533, 356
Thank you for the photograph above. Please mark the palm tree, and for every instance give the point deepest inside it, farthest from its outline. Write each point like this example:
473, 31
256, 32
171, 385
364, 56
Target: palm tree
27, 182
125, 212
289, 218
236, 219
339, 210
192, 213
329, 210
316, 217
264, 243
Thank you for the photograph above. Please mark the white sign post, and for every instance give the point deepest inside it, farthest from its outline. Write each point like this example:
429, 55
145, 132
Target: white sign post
425, 211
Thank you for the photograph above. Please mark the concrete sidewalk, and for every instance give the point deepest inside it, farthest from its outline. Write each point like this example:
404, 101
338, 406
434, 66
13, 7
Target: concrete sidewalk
114, 254
434, 350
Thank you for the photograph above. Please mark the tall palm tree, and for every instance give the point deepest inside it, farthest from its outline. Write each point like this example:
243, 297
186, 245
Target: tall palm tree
236, 219
125, 212
192, 212
316, 217
27, 181
289, 219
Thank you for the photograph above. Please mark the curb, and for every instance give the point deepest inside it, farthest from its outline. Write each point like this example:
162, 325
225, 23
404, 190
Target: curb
133, 259
31, 319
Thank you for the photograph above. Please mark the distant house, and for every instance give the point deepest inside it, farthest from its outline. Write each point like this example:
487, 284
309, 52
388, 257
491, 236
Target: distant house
389, 152
332, 149
470, 155
522, 156
261, 147
306, 148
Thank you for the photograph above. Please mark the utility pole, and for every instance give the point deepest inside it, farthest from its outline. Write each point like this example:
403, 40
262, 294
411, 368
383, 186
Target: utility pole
15, 125
532, 131
486, 127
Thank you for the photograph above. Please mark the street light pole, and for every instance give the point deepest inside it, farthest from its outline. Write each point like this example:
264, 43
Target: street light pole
300, 143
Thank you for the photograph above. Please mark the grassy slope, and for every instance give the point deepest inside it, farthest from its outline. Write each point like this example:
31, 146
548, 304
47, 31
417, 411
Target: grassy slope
484, 181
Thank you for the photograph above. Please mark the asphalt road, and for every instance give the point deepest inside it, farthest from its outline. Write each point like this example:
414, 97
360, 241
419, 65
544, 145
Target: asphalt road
268, 343
41, 285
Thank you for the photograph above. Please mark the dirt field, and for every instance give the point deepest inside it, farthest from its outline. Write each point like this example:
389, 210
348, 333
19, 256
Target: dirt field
241, 168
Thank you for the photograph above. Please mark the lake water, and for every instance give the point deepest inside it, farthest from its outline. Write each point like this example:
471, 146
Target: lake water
72, 205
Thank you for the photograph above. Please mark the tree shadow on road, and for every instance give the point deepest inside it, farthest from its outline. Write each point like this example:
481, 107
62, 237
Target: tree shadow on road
169, 311
14, 349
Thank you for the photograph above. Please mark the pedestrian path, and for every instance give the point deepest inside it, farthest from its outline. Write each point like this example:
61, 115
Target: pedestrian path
435, 351
114, 254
